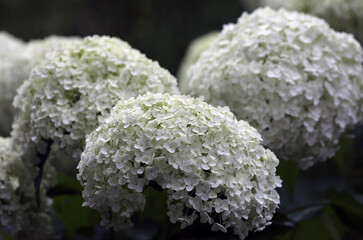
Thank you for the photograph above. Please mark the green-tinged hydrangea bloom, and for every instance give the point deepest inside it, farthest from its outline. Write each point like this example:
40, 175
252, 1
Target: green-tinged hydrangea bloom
195, 49
289, 75
10, 49
74, 89
342, 15
17, 60
20, 216
212, 166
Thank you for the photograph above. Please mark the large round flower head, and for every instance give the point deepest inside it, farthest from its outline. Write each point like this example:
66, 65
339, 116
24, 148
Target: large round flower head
19, 215
17, 60
342, 15
73, 90
10, 50
195, 49
209, 163
290, 76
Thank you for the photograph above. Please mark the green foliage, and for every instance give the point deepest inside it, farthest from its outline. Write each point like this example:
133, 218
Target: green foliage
4, 236
349, 210
156, 210
325, 226
344, 157
155, 207
68, 206
288, 172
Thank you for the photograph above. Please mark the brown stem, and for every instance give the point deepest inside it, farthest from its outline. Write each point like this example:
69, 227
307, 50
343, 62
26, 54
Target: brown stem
38, 179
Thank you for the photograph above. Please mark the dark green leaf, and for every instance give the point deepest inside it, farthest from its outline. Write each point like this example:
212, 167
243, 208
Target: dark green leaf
286, 236
344, 157
349, 210
288, 172
68, 201
4, 236
73, 215
325, 226
155, 207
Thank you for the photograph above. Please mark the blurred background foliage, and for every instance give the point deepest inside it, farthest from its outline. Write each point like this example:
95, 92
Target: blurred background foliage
324, 202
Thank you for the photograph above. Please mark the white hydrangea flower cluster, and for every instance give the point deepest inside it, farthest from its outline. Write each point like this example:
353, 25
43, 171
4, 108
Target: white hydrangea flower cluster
10, 49
193, 52
342, 15
289, 75
74, 89
212, 165
19, 215
17, 60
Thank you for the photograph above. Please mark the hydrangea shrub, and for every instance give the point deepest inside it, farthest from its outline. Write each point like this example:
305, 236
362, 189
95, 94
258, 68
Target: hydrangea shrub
17, 60
289, 75
193, 52
73, 90
212, 166
20, 217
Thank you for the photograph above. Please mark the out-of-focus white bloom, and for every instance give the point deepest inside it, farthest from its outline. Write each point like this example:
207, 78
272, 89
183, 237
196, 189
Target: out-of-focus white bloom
74, 89
10, 49
342, 15
212, 165
251, 5
36, 50
19, 215
289, 75
16, 61
193, 52
287, 4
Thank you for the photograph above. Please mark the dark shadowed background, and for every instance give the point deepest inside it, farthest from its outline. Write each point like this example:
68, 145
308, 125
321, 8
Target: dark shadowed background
161, 29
